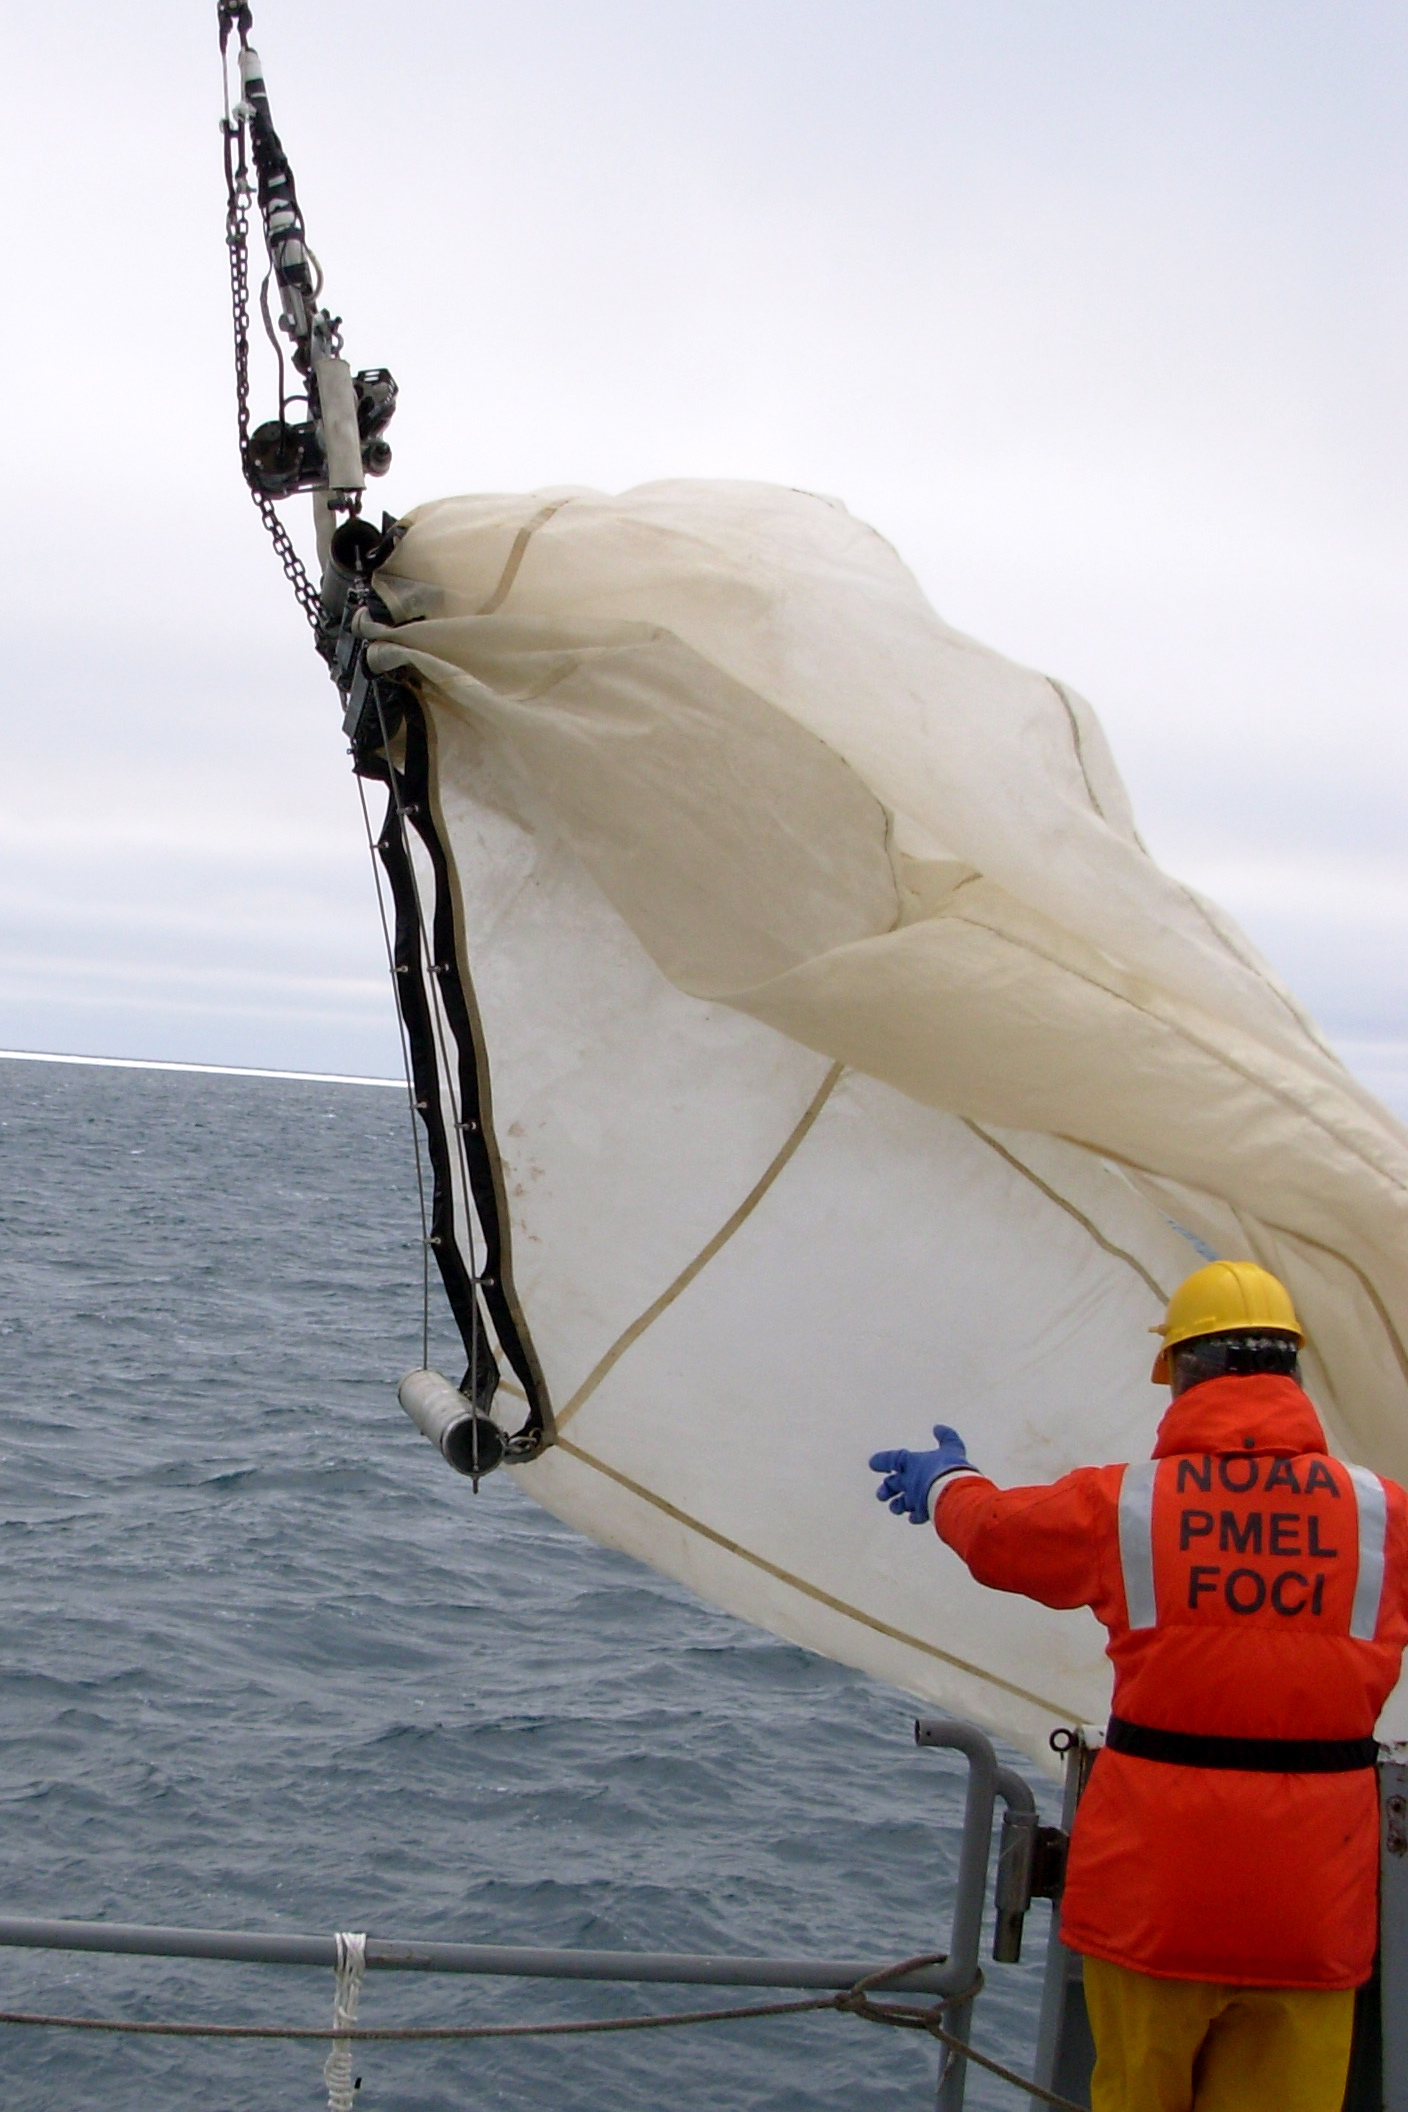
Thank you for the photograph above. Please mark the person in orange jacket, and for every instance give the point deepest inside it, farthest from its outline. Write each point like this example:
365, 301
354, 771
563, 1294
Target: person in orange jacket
1222, 1884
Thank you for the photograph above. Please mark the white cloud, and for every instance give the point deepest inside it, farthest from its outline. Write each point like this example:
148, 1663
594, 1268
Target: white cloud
1098, 312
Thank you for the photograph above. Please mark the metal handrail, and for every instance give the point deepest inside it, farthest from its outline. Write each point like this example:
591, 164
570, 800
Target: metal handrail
509, 1961
957, 1975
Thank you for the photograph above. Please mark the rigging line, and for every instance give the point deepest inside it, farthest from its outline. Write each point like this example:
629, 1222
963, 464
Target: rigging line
854, 2002
449, 1071
1079, 746
410, 1082
447, 1037
273, 336
238, 198
448, 1074
707, 1252
428, 978
1176, 1029
1058, 1710
1054, 1194
517, 554
361, 2034
1299, 1238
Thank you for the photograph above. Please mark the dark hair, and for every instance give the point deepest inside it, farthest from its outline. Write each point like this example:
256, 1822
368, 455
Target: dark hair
1232, 1356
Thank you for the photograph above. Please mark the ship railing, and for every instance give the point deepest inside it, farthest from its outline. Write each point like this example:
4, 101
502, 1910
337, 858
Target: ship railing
954, 1977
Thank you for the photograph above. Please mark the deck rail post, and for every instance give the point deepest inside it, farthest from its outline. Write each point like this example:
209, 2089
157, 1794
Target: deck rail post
970, 1894
954, 1976
1065, 2051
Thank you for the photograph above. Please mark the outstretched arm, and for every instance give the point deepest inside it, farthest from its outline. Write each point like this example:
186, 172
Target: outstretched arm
1055, 1543
1052, 1543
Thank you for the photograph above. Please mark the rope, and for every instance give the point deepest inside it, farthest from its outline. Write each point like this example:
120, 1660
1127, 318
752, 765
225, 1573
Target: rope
854, 2001
337, 2068
428, 2032
445, 1054
406, 1067
234, 16
448, 1079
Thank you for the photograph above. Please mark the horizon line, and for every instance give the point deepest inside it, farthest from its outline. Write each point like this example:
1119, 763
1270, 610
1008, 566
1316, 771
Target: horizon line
213, 1070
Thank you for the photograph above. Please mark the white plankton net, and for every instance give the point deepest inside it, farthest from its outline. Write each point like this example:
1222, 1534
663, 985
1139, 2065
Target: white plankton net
842, 1064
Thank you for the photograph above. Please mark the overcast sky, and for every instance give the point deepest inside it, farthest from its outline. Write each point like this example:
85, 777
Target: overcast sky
1098, 311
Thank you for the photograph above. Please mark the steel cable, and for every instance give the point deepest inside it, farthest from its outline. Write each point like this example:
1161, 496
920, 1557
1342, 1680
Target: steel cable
855, 2001
238, 198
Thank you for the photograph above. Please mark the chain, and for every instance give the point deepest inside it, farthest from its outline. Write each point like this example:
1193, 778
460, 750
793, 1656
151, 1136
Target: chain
237, 242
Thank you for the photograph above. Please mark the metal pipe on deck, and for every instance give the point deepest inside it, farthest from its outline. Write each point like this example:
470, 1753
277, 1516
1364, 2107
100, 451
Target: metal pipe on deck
956, 1975
508, 1961
985, 1782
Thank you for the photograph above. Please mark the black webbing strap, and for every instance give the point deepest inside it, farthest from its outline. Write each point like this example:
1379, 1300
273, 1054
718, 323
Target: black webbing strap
1261, 1756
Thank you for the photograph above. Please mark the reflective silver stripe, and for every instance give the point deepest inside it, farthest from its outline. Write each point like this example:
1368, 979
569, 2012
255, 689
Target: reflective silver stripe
1137, 1543
1373, 1526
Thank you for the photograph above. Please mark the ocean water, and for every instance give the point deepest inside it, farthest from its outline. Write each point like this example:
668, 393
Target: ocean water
266, 1663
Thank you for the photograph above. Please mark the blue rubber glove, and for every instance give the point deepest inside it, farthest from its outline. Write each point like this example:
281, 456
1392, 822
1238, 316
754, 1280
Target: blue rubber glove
909, 1476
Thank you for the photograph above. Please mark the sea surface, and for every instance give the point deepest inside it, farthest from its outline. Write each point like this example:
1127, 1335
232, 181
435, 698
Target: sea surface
265, 1663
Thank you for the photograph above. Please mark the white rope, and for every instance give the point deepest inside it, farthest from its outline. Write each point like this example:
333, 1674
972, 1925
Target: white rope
337, 2068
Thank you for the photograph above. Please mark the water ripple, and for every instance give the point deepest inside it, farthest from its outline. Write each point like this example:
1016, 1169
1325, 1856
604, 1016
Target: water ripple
266, 1664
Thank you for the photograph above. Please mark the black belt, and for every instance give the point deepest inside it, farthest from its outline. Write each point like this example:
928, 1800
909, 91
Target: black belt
1260, 1756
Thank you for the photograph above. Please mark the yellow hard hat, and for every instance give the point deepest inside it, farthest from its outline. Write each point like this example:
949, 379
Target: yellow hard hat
1224, 1298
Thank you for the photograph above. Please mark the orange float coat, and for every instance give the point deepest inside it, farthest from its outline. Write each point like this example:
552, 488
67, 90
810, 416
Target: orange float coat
1254, 1590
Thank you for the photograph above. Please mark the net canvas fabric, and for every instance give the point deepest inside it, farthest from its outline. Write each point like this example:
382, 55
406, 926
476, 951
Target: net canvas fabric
853, 1067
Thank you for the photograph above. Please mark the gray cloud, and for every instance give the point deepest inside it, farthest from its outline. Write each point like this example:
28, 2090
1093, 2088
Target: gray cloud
1098, 312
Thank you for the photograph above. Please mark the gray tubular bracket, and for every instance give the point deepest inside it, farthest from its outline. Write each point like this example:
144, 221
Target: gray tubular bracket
384, 1954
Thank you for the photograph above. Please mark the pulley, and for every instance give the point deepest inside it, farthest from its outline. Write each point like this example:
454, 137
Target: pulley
328, 438
340, 440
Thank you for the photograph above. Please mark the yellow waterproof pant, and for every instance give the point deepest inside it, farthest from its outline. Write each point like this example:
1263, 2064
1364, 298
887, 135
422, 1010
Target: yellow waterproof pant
1186, 2046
